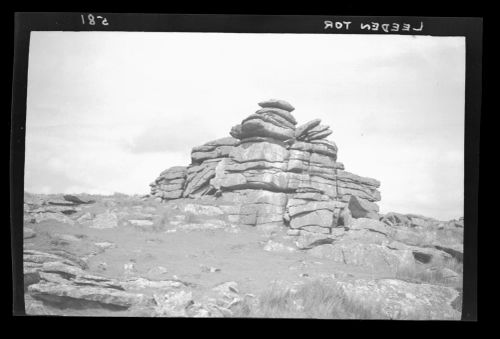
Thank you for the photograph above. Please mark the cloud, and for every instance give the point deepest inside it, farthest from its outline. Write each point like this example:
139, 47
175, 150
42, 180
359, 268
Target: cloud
108, 111
174, 136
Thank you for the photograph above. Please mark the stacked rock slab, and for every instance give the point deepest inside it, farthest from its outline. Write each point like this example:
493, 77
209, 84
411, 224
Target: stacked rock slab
204, 160
255, 174
193, 181
170, 183
275, 173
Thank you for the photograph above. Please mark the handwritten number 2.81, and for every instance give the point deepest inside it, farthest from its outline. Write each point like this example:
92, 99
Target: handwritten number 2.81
91, 20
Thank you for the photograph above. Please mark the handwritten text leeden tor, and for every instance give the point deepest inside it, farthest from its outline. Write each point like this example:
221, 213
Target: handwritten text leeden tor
374, 26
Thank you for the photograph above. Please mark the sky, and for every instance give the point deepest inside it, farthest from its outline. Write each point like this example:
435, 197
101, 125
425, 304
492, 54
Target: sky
108, 111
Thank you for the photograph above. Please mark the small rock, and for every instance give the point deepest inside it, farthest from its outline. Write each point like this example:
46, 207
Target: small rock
227, 287
273, 246
208, 269
105, 245
129, 268
102, 266
141, 222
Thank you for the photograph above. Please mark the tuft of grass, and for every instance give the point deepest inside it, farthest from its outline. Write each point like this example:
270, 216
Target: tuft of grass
316, 299
431, 273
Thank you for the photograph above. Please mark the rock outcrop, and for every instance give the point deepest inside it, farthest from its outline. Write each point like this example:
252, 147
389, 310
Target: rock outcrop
420, 301
275, 173
56, 279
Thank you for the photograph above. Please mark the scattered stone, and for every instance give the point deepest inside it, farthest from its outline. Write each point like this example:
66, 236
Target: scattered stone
173, 303
273, 246
129, 268
209, 269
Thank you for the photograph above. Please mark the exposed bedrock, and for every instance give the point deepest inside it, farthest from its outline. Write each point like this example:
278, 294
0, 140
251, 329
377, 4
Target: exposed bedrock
275, 173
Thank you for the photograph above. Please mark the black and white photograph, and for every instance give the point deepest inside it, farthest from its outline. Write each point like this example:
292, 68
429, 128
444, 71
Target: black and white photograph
245, 175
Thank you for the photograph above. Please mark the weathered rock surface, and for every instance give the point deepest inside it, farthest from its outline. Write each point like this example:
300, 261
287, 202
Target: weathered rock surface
370, 255
276, 103
57, 280
397, 299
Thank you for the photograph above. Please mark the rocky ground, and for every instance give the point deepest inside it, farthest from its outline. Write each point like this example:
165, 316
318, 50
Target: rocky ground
135, 256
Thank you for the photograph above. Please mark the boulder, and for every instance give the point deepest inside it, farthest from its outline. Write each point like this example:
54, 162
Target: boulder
322, 218
424, 255
236, 131
257, 127
362, 208
372, 225
376, 257
65, 294
105, 220
303, 129
276, 103
219, 148
307, 240
396, 219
